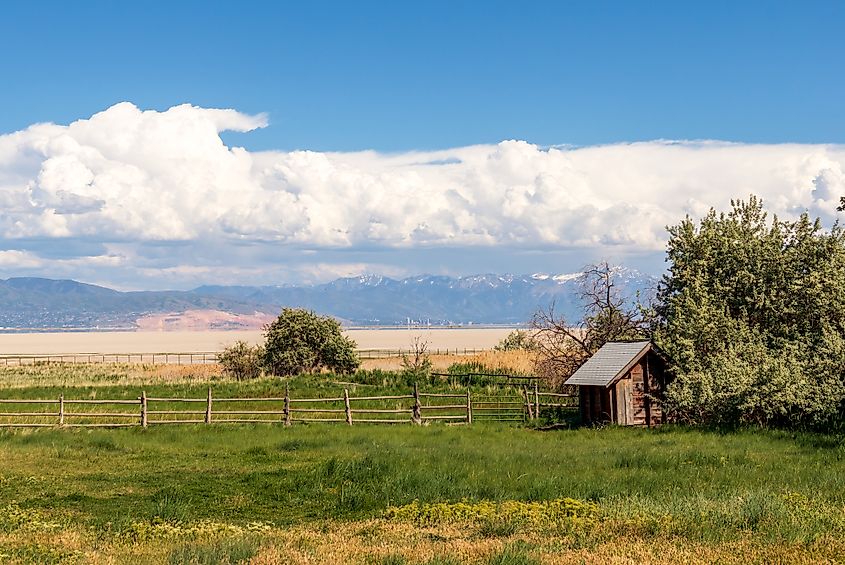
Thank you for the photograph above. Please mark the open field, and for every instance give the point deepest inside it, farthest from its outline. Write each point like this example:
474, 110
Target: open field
434, 494
100, 395
318, 494
179, 341
122, 374
518, 362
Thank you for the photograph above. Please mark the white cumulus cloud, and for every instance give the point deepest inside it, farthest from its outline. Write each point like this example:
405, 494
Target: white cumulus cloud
144, 180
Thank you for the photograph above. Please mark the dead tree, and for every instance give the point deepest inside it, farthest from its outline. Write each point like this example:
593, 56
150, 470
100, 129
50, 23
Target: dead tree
607, 316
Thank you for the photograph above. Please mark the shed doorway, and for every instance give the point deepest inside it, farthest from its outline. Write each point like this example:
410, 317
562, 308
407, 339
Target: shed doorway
624, 402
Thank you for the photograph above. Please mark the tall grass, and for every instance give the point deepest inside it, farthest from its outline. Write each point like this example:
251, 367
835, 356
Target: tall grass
707, 481
209, 493
667, 484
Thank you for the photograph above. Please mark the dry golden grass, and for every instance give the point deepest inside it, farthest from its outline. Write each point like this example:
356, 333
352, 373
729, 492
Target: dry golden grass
518, 361
373, 541
169, 373
92, 374
439, 362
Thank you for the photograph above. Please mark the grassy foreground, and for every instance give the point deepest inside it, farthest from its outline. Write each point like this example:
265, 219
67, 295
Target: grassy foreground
370, 494
328, 493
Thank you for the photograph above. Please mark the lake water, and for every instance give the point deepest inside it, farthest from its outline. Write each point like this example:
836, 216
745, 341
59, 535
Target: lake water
152, 342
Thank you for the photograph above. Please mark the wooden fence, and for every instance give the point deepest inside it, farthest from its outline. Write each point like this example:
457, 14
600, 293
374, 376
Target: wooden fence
415, 408
162, 358
185, 357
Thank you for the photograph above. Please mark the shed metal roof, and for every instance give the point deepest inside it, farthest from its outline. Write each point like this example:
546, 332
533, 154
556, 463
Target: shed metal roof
608, 363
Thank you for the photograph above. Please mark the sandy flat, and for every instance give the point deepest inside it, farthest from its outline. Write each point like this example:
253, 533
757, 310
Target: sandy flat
187, 341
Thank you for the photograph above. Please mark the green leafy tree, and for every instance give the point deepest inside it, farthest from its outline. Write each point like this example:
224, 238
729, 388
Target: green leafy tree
752, 314
300, 341
517, 340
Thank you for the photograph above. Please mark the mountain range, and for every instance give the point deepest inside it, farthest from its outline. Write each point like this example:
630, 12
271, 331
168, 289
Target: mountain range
40, 303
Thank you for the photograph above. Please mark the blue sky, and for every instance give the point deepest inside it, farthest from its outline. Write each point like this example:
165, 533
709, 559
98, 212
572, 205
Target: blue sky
269, 142
400, 75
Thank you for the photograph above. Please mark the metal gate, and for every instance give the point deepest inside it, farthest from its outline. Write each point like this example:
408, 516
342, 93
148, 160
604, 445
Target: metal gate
498, 407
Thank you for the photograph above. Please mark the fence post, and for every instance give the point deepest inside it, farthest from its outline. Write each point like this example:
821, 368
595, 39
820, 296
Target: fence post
287, 406
208, 407
347, 406
527, 400
536, 401
62, 409
416, 416
143, 409
469, 407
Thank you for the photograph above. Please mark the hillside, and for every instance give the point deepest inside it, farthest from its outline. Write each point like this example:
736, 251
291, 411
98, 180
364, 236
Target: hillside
367, 300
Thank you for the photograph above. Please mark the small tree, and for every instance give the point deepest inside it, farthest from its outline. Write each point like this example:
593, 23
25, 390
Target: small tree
300, 341
241, 360
517, 340
417, 366
562, 346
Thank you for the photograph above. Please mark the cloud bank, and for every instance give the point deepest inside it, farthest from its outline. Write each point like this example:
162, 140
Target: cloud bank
159, 194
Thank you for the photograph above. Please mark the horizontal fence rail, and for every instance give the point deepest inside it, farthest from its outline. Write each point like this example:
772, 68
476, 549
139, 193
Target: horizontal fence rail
162, 358
187, 357
414, 408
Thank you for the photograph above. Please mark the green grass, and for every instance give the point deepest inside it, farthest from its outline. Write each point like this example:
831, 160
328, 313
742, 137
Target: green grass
43, 376
47, 384
109, 384
221, 486
513, 555
95, 381
715, 485
217, 552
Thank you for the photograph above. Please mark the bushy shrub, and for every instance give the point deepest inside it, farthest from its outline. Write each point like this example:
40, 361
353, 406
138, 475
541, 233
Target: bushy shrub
517, 340
300, 341
242, 360
752, 315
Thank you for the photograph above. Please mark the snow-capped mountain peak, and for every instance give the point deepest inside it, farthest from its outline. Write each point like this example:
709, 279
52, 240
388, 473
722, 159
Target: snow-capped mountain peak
562, 278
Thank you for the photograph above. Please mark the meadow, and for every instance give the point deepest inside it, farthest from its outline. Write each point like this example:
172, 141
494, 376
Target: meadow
329, 493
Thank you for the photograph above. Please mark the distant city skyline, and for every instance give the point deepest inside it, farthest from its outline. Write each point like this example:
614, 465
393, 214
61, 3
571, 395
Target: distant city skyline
169, 145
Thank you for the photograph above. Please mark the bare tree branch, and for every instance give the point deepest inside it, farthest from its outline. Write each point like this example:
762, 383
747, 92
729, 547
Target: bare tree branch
607, 316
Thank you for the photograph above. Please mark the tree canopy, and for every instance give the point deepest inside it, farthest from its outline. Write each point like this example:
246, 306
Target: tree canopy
300, 341
752, 314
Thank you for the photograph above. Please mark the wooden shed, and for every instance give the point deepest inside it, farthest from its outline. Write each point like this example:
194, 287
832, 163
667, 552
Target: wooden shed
622, 384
